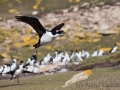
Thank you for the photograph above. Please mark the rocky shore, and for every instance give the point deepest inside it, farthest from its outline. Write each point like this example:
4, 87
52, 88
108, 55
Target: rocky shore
81, 21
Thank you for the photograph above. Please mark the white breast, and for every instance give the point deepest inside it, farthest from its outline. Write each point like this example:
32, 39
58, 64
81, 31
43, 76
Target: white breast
114, 49
46, 60
46, 38
17, 72
5, 70
57, 59
13, 66
1, 69
30, 68
36, 70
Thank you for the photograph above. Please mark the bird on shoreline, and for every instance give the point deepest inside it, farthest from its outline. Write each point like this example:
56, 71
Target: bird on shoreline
45, 36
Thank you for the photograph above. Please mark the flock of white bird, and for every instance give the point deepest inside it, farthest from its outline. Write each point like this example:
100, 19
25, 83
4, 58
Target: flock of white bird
49, 64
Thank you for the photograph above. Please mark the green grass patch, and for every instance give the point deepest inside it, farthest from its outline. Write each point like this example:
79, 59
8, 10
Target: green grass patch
101, 79
102, 61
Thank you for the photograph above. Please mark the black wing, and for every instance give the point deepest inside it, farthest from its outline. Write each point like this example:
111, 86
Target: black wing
58, 27
34, 22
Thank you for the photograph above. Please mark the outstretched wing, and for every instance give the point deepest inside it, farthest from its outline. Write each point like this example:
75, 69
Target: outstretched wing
58, 27
34, 22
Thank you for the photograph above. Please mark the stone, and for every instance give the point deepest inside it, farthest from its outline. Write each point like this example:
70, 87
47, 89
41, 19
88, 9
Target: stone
75, 9
86, 4
7, 60
2, 48
101, 3
1, 18
104, 27
65, 10
35, 12
103, 19
107, 32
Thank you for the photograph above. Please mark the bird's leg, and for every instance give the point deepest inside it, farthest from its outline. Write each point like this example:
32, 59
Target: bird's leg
18, 80
37, 45
12, 81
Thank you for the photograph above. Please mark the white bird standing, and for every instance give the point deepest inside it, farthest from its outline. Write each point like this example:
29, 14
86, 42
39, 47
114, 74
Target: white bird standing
100, 53
47, 59
45, 36
114, 49
58, 58
55, 55
66, 58
29, 69
13, 65
95, 53
30, 61
1, 69
78, 56
87, 54
71, 55
6, 69
17, 72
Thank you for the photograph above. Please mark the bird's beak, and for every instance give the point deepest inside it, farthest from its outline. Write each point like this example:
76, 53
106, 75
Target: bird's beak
64, 33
